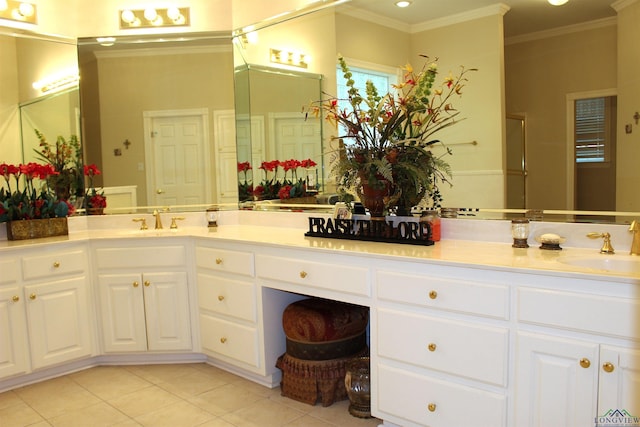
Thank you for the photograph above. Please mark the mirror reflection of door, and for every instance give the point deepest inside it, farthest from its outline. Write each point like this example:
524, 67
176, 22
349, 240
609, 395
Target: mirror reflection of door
516, 163
178, 153
595, 153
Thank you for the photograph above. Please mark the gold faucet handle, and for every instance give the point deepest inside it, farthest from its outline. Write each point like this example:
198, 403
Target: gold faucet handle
607, 248
143, 221
173, 225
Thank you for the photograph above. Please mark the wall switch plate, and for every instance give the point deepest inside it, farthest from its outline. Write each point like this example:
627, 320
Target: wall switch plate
628, 128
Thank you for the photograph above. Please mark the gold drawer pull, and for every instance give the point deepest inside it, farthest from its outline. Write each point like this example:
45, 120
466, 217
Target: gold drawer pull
431, 407
218, 261
433, 294
223, 340
147, 283
303, 274
15, 298
585, 363
220, 297
136, 284
431, 347
32, 297
608, 367
56, 264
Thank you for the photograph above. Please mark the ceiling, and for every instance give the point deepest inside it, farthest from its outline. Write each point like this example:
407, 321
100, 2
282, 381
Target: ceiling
524, 16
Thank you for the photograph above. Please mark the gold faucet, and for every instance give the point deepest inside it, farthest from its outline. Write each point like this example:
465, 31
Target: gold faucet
606, 245
156, 214
635, 244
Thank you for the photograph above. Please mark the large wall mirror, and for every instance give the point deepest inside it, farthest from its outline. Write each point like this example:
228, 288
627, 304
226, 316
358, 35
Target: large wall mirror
545, 72
154, 110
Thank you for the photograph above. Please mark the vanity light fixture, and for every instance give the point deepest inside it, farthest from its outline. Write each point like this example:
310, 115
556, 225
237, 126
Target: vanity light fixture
19, 11
403, 3
154, 17
295, 59
557, 2
57, 82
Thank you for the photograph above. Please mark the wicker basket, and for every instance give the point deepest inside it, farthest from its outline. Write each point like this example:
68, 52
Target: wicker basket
37, 228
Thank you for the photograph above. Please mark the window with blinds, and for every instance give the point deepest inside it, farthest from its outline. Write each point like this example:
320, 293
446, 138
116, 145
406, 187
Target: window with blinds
592, 130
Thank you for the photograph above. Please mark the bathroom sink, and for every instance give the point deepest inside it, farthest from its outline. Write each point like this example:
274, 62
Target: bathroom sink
603, 262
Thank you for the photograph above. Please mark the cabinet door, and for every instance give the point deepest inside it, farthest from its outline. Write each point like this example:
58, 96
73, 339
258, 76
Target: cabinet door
556, 381
58, 319
122, 312
166, 303
13, 333
619, 388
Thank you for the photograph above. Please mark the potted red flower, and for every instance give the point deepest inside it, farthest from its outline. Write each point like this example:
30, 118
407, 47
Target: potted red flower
95, 200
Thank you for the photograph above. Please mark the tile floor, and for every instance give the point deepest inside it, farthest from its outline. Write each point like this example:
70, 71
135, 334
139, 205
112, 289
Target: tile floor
163, 395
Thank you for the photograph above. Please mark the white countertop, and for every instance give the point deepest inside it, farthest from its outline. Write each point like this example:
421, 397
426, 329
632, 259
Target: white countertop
288, 233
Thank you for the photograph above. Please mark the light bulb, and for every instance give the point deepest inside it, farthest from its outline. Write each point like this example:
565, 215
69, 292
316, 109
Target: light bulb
26, 9
3, 5
173, 13
150, 14
403, 3
127, 16
557, 2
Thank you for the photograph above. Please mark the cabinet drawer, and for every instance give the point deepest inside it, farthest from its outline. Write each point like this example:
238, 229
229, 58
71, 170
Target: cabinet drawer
229, 339
336, 277
10, 271
454, 347
436, 403
222, 260
54, 265
443, 293
157, 256
225, 296
582, 312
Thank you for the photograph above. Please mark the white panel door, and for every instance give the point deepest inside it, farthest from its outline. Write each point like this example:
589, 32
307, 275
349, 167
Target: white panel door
619, 381
58, 321
13, 333
556, 381
296, 138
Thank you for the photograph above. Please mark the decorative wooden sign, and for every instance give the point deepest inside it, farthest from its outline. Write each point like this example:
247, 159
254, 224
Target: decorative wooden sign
396, 231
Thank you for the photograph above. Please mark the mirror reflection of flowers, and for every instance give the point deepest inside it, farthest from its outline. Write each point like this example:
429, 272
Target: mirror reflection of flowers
245, 185
281, 180
66, 158
388, 138
95, 199
26, 193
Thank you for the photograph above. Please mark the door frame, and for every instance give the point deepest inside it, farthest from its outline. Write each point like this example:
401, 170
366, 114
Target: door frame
149, 154
570, 138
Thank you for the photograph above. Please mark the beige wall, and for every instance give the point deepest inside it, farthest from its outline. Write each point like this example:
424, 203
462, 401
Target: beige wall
628, 158
164, 82
10, 149
539, 75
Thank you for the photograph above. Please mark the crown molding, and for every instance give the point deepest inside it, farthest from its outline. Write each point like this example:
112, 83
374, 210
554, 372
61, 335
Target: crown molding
561, 31
375, 18
621, 4
496, 9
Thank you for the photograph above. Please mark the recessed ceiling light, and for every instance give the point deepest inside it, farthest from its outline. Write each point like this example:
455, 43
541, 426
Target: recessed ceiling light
405, 3
557, 2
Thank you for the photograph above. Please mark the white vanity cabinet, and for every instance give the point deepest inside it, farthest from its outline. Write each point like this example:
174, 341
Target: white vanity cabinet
441, 352
577, 353
45, 308
144, 297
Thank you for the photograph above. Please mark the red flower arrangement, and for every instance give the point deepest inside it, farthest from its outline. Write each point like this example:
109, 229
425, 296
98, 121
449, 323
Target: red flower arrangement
95, 199
36, 199
285, 186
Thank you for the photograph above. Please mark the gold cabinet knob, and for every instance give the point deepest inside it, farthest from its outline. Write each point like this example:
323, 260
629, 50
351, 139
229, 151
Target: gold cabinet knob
56, 264
431, 407
147, 283
433, 294
136, 284
32, 297
303, 274
15, 298
585, 363
223, 340
431, 347
220, 297
608, 367
218, 261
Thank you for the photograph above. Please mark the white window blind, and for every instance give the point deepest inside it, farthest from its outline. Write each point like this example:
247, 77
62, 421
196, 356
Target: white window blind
591, 130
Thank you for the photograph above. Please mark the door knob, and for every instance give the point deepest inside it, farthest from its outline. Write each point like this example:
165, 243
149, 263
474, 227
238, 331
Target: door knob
159, 191
608, 367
